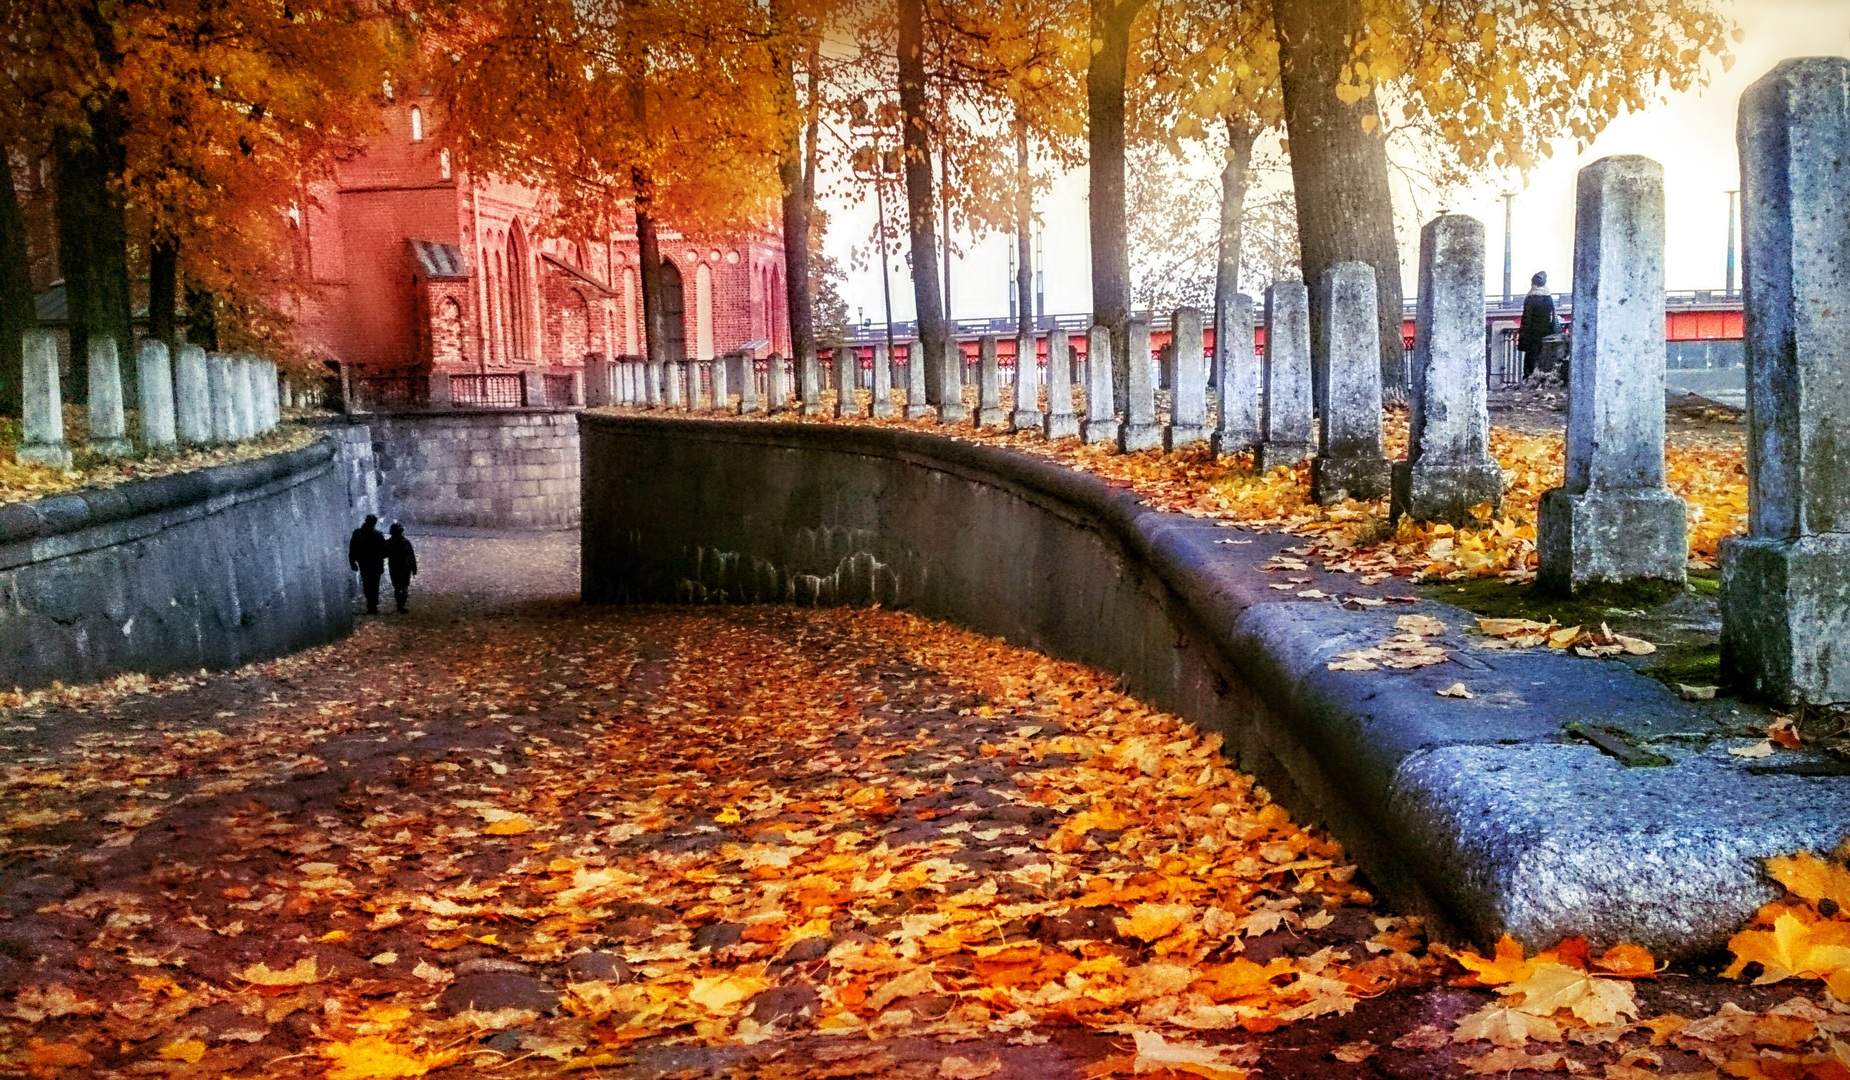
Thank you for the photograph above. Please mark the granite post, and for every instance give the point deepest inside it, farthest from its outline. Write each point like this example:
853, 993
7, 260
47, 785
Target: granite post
917, 407
1612, 521
749, 401
1141, 431
1287, 414
722, 383
777, 385
951, 409
989, 385
108, 420
1101, 423
272, 398
1448, 469
154, 384
1350, 464
244, 376
692, 371
192, 395
1188, 383
880, 407
1785, 597
1059, 421
42, 404
1027, 414
223, 392
809, 383
842, 364
1237, 383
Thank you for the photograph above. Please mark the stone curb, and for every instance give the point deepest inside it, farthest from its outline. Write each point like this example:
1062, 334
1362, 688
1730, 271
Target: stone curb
1484, 814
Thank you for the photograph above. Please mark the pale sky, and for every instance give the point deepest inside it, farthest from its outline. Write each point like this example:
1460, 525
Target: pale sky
1690, 134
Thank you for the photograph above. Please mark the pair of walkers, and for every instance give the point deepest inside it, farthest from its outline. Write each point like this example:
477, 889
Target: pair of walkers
372, 554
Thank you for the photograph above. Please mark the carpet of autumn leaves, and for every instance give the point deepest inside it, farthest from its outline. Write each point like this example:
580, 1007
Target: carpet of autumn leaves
1705, 465
19, 483
510, 836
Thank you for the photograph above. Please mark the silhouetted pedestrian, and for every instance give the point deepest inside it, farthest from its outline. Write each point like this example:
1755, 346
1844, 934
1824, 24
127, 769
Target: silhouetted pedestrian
402, 560
1538, 322
366, 553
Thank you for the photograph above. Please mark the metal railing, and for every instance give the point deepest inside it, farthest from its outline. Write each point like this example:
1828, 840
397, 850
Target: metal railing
392, 391
487, 391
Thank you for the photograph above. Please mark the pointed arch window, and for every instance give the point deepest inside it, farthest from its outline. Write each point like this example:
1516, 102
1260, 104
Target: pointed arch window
417, 124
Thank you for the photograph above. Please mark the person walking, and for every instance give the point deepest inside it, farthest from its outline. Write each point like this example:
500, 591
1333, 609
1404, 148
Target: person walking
1538, 322
402, 560
366, 554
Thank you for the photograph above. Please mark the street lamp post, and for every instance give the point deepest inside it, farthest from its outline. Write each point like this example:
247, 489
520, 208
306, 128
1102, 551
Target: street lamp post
1729, 291
1508, 217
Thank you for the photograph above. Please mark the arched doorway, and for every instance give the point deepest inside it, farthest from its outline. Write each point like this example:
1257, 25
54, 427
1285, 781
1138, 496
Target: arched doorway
674, 313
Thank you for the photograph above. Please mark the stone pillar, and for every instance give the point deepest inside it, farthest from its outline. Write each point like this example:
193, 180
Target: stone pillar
881, 406
809, 383
777, 391
1059, 422
917, 407
1448, 469
722, 383
1101, 425
1027, 414
441, 396
1350, 464
192, 394
1612, 522
1141, 431
1188, 384
532, 390
154, 384
272, 397
951, 408
578, 389
223, 393
842, 364
748, 385
244, 397
1237, 384
677, 385
43, 405
1785, 600
690, 370
108, 421
989, 411
1287, 426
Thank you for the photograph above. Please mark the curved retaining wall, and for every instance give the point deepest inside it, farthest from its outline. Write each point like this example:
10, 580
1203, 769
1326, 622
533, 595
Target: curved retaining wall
208, 569
487, 468
1481, 814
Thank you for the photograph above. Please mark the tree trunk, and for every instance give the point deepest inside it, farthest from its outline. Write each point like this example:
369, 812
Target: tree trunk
792, 172
1111, 257
1338, 169
163, 290
201, 318
922, 234
1232, 213
93, 247
17, 311
649, 251
1024, 232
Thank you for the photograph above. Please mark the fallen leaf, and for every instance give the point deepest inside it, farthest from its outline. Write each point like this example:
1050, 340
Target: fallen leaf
187, 1050
1456, 690
301, 973
1763, 748
376, 1057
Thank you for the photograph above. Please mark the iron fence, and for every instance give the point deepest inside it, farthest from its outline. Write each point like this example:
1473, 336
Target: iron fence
487, 391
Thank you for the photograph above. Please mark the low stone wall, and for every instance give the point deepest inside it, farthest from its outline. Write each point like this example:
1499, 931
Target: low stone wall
1485, 814
208, 569
490, 468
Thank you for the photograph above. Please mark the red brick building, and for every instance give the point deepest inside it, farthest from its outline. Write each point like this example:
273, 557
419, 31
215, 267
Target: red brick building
418, 266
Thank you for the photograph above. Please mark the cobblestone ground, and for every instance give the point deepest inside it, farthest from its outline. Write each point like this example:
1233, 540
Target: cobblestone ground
505, 835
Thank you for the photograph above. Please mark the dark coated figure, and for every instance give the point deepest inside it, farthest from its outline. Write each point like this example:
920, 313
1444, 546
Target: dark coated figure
366, 553
1538, 322
402, 560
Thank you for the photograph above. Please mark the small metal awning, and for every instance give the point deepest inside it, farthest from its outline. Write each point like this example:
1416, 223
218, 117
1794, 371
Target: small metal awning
439, 261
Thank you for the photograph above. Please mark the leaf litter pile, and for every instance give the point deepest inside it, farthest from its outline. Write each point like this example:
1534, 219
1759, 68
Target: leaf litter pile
761, 842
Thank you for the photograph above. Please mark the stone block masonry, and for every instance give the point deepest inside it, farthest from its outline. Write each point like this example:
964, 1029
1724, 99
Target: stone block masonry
1449, 468
1786, 585
1612, 522
504, 468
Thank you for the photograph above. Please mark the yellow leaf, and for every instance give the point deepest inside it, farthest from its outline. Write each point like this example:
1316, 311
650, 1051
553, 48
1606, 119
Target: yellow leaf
1506, 966
1552, 987
1503, 1025
187, 1050
301, 973
376, 1057
1155, 1054
1149, 922
513, 826
1810, 878
728, 816
725, 993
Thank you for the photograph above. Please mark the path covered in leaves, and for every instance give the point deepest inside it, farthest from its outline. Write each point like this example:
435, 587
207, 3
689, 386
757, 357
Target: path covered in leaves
508, 836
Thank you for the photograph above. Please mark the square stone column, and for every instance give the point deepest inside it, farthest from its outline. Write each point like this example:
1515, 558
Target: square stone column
1238, 386
809, 383
442, 395
244, 396
749, 402
917, 407
1141, 431
989, 411
192, 396
722, 383
881, 405
1059, 421
1613, 522
842, 364
1101, 424
108, 421
1448, 469
223, 393
1350, 464
1188, 383
1286, 421
1027, 413
154, 383
691, 369
42, 404
1785, 596
777, 385
272, 397
951, 408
